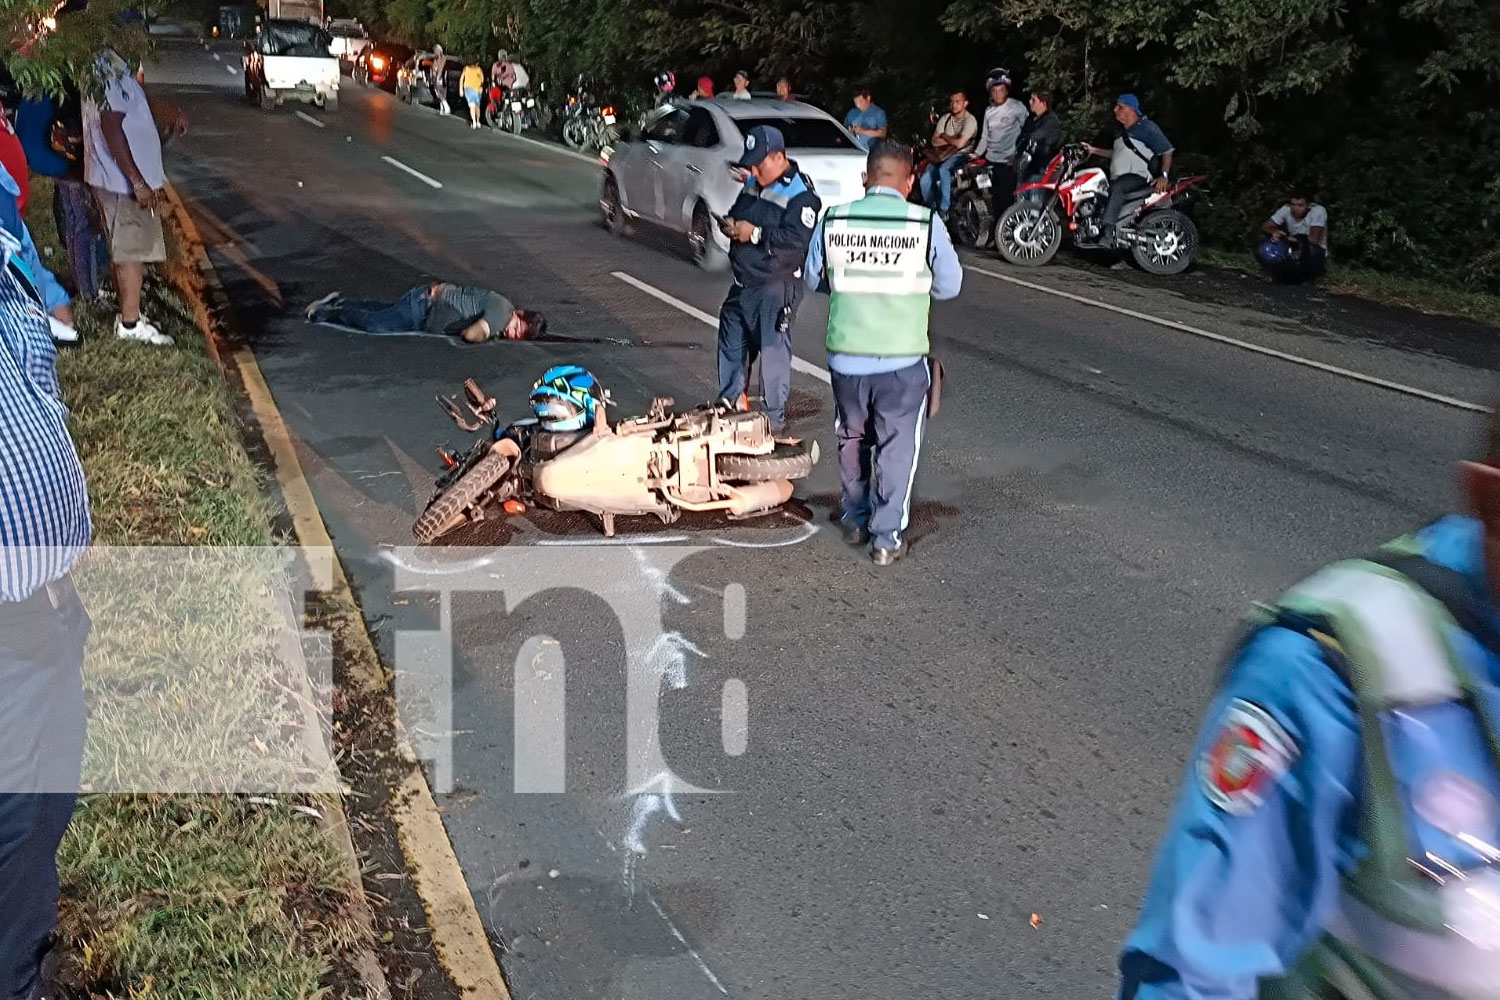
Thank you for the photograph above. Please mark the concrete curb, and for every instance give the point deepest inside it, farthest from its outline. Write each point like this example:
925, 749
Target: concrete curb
458, 934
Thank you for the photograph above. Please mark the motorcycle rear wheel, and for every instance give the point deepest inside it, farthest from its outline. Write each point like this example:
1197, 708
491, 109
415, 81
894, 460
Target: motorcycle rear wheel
1166, 242
1028, 234
448, 511
573, 133
788, 461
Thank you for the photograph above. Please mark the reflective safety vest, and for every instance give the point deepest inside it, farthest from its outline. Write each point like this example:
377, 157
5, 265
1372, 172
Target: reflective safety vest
1419, 917
877, 253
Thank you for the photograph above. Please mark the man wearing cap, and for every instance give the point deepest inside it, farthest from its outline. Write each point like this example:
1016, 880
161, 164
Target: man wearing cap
882, 261
705, 89
1141, 158
769, 227
997, 141
741, 90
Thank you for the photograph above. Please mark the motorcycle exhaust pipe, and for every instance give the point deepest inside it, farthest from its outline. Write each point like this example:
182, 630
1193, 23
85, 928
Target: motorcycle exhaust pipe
754, 497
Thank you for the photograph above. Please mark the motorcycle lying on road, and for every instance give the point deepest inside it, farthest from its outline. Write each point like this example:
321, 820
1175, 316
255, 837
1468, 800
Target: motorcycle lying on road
588, 126
1157, 228
711, 458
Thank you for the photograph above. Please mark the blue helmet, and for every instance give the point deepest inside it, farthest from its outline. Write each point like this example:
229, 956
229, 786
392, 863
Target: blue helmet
565, 397
1271, 251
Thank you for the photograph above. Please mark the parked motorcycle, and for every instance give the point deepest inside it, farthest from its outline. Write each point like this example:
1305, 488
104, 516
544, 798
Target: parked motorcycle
512, 111
1157, 228
970, 215
588, 126
712, 458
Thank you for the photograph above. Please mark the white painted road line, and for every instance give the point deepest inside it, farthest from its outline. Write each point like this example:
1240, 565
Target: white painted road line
1270, 352
229, 69
214, 54
311, 120
415, 173
552, 147
805, 367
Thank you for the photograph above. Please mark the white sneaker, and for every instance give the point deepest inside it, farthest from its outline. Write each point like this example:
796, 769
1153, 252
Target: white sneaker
62, 333
326, 300
144, 330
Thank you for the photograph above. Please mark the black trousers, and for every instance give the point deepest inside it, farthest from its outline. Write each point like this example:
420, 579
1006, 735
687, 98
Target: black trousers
42, 717
1121, 189
1307, 264
1002, 186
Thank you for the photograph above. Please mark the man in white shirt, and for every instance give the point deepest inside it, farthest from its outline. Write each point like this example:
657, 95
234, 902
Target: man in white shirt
123, 136
997, 141
1297, 234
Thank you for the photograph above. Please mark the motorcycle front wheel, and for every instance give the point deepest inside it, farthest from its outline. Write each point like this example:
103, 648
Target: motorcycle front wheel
1028, 234
573, 133
449, 510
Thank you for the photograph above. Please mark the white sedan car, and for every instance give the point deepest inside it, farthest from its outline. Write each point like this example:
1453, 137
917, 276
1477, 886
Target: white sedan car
675, 171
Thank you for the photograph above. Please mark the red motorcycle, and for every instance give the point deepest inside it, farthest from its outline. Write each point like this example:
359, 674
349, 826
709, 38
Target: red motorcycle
1156, 227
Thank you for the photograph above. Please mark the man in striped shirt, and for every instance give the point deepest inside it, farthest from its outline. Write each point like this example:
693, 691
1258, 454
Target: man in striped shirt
44, 527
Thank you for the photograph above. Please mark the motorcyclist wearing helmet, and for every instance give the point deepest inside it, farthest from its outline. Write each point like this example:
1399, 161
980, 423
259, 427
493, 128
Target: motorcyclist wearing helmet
666, 86
509, 74
566, 398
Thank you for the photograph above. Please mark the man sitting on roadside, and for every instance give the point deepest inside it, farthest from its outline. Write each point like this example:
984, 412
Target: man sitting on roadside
952, 141
1294, 242
472, 314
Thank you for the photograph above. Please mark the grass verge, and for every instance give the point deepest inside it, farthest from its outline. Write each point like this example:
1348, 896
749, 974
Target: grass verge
184, 897
1421, 294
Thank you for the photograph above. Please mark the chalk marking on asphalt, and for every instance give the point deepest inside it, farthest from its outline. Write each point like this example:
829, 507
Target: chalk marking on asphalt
415, 173
1270, 352
311, 120
683, 941
457, 932
798, 364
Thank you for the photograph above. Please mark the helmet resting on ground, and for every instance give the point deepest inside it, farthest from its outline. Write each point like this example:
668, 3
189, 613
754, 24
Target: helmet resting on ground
1271, 251
565, 397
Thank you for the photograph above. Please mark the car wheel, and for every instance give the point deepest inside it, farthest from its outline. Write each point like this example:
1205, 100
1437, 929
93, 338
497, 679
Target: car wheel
612, 209
706, 253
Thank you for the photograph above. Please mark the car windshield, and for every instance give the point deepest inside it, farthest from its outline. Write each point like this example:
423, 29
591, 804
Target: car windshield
803, 133
295, 40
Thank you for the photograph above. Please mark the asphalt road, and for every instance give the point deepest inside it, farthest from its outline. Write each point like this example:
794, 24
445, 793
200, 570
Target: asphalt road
991, 729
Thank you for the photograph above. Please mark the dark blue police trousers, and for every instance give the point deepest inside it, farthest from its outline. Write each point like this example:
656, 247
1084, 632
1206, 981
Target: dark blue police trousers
750, 325
42, 717
879, 421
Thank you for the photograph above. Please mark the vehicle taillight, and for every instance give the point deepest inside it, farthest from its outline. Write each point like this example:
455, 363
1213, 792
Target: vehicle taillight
377, 63
609, 111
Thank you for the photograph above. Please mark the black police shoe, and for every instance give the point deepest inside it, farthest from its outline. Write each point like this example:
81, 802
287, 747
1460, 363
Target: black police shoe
854, 534
885, 557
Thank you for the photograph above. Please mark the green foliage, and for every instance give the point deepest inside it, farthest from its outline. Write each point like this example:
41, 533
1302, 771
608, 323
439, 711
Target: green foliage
1387, 111
44, 60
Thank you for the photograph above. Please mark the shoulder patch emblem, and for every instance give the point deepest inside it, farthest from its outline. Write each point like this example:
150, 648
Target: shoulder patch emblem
809, 218
1250, 752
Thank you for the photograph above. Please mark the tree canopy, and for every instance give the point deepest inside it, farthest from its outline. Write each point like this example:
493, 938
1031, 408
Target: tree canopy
1387, 111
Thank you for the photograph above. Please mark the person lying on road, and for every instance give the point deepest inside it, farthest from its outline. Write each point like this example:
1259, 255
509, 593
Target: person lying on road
472, 314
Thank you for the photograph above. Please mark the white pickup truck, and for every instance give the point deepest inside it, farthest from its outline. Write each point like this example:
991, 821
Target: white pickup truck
290, 60
349, 40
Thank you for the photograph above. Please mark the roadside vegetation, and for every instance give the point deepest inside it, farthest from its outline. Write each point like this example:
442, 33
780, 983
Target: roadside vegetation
183, 896
1387, 112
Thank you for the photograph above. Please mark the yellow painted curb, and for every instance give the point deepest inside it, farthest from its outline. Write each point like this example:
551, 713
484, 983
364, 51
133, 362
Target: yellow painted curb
457, 932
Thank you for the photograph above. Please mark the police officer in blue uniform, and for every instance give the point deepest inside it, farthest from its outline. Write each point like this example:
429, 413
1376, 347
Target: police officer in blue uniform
769, 226
1338, 831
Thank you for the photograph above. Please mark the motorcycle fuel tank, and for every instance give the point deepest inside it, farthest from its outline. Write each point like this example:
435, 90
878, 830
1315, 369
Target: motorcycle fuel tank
600, 474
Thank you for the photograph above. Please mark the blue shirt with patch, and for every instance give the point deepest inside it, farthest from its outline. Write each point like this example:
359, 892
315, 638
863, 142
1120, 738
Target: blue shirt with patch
786, 212
1237, 896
